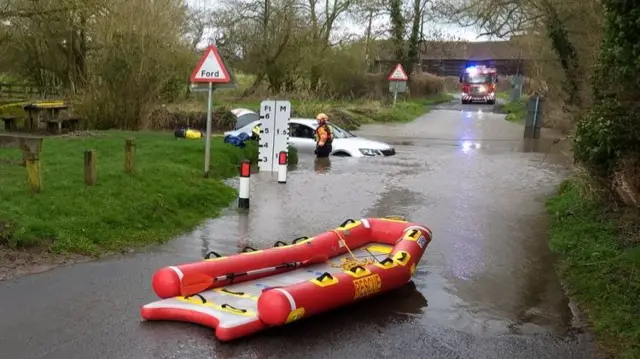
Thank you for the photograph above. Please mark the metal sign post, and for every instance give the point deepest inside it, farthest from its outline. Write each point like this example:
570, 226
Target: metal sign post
395, 92
516, 87
533, 120
207, 143
398, 82
211, 70
397, 87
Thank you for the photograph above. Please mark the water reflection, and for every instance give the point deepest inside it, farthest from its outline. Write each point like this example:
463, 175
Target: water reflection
469, 145
396, 306
204, 238
243, 231
322, 165
535, 145
396, 200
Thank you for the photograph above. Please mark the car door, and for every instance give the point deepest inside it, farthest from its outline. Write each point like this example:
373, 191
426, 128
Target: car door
302, 137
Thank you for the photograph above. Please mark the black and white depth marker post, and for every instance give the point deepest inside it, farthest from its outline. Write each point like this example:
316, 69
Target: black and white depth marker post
245, 184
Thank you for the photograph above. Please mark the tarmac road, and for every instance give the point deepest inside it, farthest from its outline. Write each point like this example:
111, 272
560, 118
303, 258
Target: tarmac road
486, 287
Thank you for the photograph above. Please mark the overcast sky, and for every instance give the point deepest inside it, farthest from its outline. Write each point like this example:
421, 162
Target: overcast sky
449, 31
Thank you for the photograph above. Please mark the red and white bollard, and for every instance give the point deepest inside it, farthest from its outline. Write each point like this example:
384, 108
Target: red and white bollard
245, 184
282, 167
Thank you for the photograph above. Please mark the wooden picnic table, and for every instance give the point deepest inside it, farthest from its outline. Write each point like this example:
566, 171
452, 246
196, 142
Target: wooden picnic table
50, 114
10, 123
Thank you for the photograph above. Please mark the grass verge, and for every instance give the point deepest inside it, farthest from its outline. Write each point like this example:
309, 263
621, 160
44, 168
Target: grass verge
349, 114
516, 111
601, 267
505, 95
167, 195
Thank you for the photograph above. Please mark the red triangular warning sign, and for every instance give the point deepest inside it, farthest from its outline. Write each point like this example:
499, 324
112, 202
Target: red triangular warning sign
210, 68
398, 74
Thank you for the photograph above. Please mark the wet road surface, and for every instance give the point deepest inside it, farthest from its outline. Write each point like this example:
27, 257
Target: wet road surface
486, 287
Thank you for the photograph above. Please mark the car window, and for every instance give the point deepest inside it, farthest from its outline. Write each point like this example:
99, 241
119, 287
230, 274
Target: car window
301, 131
246, 119
339, 132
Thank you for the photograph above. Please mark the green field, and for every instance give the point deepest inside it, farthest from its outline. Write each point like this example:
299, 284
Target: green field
167, 196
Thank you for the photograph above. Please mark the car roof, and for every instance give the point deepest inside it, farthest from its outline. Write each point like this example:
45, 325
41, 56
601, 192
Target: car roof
241, 111
305, 121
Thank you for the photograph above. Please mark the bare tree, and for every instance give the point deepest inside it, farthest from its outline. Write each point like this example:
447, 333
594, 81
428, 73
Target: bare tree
550, 19
369, 11
323, 20
499, 18
261, 32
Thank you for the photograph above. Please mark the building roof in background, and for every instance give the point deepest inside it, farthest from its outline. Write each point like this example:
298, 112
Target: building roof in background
480, 50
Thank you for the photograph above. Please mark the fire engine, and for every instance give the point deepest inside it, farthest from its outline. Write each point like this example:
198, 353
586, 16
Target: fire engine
479, 84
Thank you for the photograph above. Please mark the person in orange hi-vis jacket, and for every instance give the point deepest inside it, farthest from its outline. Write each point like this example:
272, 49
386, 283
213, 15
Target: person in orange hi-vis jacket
324, 137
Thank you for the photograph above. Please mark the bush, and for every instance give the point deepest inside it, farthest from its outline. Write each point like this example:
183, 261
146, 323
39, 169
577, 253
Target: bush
343, 74
601, 267
425, 84
168, 119
352, 115
610, 134
348, 116
452, 84
292, 156
420, 85
377, 86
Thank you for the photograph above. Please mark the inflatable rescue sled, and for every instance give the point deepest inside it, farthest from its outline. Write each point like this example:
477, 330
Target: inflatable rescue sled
244, 293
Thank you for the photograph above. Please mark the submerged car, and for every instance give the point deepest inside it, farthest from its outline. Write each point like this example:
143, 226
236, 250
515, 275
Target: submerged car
302, 136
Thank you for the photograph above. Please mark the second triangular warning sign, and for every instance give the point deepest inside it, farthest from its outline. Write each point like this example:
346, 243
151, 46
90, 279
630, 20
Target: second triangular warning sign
210, 68
398, 74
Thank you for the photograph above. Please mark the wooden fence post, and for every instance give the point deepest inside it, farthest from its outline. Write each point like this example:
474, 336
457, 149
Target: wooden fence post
31, 148
129, 155
34, 173
90, 171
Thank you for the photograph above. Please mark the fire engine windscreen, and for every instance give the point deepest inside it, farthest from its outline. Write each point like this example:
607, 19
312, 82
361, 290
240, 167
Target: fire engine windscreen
478, 78
478, 75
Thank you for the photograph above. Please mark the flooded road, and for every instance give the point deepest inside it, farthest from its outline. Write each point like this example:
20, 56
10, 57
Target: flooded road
486, 287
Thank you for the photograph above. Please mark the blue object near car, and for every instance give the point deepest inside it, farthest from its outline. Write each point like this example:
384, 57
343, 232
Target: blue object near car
237, 139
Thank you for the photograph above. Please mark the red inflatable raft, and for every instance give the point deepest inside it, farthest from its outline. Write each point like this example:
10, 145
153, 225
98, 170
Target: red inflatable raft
248, 292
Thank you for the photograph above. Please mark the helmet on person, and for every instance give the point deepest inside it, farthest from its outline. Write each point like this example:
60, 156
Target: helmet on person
322, 118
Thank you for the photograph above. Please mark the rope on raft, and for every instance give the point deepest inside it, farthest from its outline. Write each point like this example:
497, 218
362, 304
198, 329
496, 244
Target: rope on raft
352, 262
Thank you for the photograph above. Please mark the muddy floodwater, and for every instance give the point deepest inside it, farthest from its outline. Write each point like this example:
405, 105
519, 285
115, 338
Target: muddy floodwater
486, 287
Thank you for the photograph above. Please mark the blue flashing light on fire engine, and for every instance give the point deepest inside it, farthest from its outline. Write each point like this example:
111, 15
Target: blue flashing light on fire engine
471, 69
